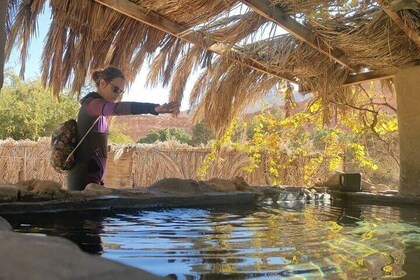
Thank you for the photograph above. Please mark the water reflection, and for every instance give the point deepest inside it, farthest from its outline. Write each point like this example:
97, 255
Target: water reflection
82, 228
312, 242
350, 215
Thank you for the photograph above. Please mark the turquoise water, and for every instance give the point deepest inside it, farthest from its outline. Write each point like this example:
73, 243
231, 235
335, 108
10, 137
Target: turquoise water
339, 241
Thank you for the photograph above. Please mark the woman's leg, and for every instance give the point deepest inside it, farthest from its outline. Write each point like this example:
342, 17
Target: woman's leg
83, 174
76, 178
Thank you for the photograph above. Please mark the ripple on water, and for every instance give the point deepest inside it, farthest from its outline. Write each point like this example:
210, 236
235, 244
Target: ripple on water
314, 242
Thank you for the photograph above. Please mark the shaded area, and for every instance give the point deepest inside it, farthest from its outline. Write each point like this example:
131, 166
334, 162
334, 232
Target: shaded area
82, 228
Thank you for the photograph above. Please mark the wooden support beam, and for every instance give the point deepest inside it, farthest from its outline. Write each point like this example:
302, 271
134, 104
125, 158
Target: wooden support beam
370, 76
276, 15
412, 34
157, 21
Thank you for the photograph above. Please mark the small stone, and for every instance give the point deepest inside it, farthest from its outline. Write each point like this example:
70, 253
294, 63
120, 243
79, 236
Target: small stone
95, 189
377, 261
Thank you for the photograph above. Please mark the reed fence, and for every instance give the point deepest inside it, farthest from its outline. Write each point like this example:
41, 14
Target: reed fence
131, 166
128, 166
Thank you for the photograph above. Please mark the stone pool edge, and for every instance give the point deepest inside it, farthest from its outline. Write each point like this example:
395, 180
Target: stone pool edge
26, 256
46, 250
122, 202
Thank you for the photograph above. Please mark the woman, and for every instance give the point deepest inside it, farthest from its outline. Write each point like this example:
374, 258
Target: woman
96, 107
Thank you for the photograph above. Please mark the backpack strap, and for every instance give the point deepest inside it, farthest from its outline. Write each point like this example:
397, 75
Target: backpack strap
83, 138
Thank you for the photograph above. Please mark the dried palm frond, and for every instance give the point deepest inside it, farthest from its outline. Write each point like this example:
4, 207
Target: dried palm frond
163, 65
248, 24
183, 71
196, 13
289, 103
13, 6
228, 89
92, 36
86, 35
375, 42
24, 27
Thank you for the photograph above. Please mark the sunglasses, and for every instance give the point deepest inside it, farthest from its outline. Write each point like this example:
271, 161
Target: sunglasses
116, 89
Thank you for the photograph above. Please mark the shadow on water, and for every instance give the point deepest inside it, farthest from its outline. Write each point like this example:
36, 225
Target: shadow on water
337, 241
82, 228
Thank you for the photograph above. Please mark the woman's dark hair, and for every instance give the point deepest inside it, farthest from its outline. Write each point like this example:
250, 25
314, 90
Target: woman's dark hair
108, 74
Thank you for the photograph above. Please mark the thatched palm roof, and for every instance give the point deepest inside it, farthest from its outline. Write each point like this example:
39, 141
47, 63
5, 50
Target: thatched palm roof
236, 44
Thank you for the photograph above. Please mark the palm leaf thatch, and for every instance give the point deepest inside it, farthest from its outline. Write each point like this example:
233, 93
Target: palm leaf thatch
197, 12
225, 89
23, 28
85, 35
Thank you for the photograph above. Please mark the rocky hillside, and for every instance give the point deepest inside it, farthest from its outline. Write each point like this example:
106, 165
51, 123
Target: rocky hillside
138, 126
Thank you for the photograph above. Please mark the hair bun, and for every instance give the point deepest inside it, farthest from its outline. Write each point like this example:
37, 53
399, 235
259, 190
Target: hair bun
107, 74
96, 75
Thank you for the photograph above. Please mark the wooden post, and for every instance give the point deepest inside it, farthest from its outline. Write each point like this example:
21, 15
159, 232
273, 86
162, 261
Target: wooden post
407, 85
3, 9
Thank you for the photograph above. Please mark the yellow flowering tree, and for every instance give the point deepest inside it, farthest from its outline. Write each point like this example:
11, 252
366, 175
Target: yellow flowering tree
302, 144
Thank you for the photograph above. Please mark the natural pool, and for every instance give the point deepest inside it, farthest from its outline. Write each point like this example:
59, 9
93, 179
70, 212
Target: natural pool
328, 241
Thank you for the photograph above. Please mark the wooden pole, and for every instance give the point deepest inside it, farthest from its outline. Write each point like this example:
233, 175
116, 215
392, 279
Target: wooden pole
395, 17
407, 86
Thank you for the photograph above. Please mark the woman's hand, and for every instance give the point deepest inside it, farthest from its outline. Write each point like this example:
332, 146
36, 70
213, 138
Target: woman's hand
170, 107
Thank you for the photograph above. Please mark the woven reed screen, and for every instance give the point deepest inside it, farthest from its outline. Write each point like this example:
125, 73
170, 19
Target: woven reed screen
127, 166
139, 166
24, 160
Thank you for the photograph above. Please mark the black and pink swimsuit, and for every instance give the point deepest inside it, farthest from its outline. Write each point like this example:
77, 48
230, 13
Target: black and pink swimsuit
91, 155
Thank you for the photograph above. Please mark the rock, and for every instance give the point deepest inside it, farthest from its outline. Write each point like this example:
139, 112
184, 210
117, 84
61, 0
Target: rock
220, 185
377, 261
241, 184
4, 225
293, 197
192, 187
93, 189
9, 193
370, 187
177, 186
45, 257
41, 189
332, 182
288, 196
223, 185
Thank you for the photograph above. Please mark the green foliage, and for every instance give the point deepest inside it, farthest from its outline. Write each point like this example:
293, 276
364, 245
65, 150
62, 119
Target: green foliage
28, 110
201, 134
117, 135
165, 135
